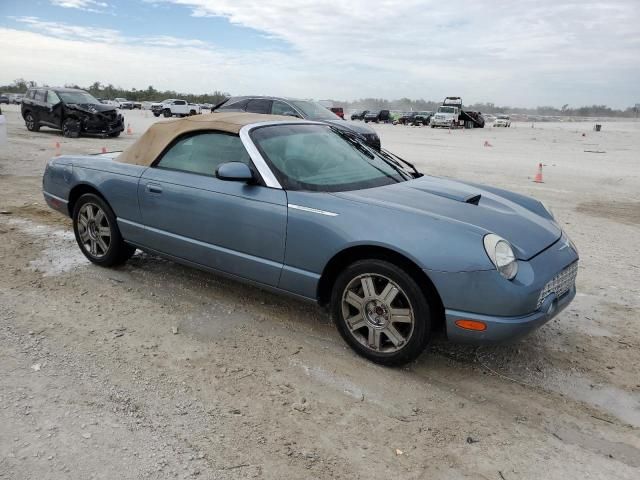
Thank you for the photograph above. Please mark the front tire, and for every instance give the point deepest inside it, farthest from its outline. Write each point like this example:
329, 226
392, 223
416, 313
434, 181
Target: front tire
97, 233
381, 312
71, 128
167, 113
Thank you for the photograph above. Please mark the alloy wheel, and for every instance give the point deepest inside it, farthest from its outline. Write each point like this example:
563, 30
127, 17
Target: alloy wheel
378, 313
94, 230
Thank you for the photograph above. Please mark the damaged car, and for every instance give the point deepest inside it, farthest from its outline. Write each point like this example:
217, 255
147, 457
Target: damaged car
71, 110
308, 209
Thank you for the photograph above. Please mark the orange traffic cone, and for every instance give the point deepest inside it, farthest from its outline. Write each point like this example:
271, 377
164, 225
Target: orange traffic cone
104, 150
129, 131
58, 149
538, 178
487, 144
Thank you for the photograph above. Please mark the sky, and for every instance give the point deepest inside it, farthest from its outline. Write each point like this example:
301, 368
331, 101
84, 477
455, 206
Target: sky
518, 53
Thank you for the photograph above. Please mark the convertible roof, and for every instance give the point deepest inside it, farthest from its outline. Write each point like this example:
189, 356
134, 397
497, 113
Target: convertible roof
159, 135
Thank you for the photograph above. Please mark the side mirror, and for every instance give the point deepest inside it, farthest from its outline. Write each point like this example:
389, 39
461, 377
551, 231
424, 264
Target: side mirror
234, 172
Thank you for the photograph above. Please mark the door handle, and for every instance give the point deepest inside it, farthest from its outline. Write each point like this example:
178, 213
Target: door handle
154, 188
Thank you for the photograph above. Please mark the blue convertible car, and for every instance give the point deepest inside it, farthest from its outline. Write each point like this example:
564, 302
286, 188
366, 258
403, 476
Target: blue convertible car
310, 210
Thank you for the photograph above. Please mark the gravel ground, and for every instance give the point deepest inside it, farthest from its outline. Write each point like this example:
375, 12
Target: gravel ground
154, 370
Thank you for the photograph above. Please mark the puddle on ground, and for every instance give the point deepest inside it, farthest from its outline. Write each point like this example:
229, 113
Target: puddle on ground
60, 253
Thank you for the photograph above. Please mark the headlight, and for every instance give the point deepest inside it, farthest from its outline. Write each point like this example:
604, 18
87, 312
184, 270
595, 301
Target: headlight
501, 255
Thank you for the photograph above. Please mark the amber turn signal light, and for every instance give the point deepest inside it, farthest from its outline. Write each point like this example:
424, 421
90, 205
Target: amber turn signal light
472, 325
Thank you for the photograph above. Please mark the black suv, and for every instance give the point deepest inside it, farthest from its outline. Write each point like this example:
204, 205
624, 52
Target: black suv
377, 116
71, 110
296, 108
359, 115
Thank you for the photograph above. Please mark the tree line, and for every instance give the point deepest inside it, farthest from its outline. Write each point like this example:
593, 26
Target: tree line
109, 91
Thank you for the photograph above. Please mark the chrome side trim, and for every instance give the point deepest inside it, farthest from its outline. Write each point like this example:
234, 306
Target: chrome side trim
312, 210
50, 195
269, 178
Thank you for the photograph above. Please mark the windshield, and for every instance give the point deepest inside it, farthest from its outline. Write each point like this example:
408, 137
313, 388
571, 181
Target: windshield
314, 111
77, 97
446, 110
319, 158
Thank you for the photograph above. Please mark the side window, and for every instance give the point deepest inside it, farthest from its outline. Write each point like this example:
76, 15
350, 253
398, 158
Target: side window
31, 94
39, 96
281, 108
235, 106
52, 98
259, 105
202, 153
179, 102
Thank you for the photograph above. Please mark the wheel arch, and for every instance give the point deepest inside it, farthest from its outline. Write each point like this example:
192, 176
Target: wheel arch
80, 189
361, 252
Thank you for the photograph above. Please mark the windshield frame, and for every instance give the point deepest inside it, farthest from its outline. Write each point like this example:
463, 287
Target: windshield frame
284, 182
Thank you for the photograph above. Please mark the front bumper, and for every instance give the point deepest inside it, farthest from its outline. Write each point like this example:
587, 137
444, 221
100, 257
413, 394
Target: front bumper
509, 309
505, 329
103, 126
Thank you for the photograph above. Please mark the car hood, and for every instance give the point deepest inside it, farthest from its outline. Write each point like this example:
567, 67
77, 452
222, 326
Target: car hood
350, 126
528, 232
91, 107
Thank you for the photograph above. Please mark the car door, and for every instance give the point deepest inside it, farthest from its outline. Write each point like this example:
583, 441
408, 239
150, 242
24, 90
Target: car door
39, 106
229, 226
180, 107
51, 114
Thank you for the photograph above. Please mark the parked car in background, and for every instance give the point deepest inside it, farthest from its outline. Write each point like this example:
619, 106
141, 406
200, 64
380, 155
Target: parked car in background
422, 118
306, 109
136, 105
124, 104
71, 110
4, 99
451, 114
175, 107
16, 98
339, 111
293, 205
377, 116
359, 115
502, 121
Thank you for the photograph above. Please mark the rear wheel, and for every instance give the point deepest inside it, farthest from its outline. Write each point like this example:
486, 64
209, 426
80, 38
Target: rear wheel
71, 128
31, 122
97, 232
381, 312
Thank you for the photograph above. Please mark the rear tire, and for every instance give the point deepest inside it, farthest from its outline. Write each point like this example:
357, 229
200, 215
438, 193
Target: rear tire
97, 233
31, 122
381, 312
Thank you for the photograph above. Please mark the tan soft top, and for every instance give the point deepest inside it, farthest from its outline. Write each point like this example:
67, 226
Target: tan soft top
159, 135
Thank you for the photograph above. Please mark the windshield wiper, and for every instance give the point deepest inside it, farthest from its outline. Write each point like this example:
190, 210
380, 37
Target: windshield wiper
389, 159
353, 141
395, 158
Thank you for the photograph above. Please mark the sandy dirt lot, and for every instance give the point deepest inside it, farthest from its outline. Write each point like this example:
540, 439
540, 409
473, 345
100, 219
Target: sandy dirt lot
94, 383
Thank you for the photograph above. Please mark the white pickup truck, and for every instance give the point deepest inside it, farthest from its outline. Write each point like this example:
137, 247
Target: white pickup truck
173, 106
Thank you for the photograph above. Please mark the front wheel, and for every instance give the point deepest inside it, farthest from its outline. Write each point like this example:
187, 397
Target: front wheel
167, 113
381, 312
97, 232
71, 128
156, 114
